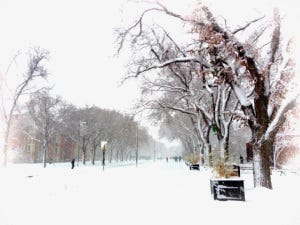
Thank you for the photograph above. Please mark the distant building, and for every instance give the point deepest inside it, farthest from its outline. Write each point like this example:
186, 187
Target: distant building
25, 143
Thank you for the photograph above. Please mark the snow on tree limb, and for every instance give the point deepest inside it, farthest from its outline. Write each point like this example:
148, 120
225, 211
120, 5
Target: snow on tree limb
241, 95
205, 113
31, 137
278, 120
185, 111
169, 62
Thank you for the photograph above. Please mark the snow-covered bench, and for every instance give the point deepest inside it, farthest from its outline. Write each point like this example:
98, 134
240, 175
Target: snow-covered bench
193, 166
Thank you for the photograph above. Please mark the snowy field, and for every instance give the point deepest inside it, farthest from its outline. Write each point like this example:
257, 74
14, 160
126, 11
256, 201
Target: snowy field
154, 193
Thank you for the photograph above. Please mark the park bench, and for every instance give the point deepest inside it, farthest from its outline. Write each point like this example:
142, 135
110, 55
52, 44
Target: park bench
227, 189
236, 171
193, 166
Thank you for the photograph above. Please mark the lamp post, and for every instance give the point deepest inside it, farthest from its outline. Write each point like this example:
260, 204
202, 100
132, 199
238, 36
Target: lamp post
103, 148
154, 151
137, 146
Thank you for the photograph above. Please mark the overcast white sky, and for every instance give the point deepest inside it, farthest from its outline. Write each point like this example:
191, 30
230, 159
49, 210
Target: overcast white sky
79, 36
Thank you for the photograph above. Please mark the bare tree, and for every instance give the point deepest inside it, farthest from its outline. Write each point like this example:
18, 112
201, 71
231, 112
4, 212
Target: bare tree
70, 127
97, 124
35, 70
86, 123
45, 111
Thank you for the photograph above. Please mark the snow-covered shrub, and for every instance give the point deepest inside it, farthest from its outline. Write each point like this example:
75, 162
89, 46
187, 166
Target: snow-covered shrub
192, 158
222, 167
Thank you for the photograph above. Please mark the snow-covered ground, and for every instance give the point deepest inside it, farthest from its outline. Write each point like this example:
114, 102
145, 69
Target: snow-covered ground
152, 193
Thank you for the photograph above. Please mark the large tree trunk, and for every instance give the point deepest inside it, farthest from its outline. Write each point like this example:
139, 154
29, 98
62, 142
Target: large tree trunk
224, 148
261, 148
261, 160
261, 165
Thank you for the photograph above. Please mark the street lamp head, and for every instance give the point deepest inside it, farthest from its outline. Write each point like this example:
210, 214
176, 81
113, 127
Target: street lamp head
103, 145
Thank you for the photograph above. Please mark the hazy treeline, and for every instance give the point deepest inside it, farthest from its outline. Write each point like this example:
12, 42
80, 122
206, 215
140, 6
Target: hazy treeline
49, 129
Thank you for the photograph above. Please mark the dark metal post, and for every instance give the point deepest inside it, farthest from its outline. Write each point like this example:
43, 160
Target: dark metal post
154, 156
137, 146
103, 157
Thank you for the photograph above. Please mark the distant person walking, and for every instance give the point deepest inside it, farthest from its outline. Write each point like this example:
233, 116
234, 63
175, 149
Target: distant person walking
241, 159
73, 163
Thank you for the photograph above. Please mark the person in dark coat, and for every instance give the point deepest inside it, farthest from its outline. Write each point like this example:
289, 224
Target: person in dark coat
73, 163
241, 159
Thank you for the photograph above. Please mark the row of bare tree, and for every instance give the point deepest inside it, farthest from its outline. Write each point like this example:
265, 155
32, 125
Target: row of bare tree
51, 121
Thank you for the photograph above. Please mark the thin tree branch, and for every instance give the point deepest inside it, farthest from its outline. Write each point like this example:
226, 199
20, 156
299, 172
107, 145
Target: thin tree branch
247, 25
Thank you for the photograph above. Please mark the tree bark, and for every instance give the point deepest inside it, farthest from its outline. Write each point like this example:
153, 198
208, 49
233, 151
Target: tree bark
83, 156
261, 165
83, 153
94, 152
261, 148
85, 142
93, 155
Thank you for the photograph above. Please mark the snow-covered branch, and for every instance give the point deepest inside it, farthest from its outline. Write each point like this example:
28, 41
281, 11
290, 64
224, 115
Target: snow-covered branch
278, 120
241, 95
31, 137
169, 62
182, 110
